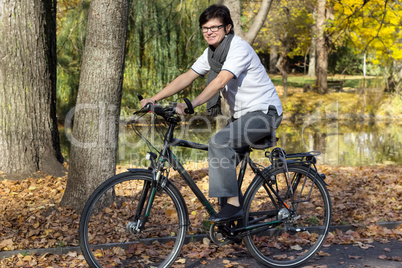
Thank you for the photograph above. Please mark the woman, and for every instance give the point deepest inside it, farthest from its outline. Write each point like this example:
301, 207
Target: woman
235, 70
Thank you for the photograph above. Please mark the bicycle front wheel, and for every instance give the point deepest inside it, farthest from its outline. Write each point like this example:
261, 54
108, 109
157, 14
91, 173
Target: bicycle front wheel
112, 231
283, 237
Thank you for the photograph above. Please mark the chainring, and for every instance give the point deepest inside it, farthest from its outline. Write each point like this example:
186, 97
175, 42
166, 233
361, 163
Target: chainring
219, 235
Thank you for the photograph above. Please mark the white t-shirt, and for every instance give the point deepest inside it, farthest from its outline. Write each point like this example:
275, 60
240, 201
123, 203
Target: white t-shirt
251, 89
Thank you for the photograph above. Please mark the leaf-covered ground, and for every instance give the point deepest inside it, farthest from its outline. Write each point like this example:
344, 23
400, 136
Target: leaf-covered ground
31, 218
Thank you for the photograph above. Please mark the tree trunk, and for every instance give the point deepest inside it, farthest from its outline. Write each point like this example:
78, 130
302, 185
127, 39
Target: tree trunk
96, 116
313, 49
312, 59
322, 49
394, 78
273, 59
29, 138
281, 65
235, 12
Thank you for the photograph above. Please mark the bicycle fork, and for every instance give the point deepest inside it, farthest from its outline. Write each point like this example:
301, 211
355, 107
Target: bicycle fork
146, 199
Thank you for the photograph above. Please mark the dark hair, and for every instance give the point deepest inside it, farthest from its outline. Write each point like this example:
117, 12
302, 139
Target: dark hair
220, 12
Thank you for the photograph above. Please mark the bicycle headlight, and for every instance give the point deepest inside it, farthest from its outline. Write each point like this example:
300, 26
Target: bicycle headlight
150, 156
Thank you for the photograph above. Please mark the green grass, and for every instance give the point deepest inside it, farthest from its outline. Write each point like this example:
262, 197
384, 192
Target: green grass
353, 82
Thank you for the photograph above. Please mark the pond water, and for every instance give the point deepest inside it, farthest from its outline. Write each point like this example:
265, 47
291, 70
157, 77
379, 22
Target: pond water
340, 143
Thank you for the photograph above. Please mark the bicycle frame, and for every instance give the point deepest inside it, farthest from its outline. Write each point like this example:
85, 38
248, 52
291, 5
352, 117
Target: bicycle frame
166, 155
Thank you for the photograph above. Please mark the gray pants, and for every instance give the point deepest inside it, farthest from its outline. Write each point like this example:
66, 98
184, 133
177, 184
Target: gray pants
238, 134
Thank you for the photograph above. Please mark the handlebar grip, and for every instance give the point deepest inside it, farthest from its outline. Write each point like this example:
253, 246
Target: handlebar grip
190, 108
148, 105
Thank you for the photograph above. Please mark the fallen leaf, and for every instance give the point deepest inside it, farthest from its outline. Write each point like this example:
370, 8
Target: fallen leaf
397, 258
7, 244
296, 247
181, 261
27, 258
364, 246
323, 254
355, 257
280, 257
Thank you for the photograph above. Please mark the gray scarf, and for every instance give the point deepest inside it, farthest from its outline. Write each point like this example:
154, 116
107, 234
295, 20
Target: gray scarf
216, 59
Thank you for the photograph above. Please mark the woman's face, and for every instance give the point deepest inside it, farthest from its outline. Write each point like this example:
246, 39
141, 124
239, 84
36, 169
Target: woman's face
215, 38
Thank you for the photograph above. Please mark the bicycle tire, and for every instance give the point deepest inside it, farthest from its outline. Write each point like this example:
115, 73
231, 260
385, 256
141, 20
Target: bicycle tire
294, 240
104, 238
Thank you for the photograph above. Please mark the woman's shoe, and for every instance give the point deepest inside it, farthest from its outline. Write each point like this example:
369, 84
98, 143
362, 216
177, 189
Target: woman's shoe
229, 212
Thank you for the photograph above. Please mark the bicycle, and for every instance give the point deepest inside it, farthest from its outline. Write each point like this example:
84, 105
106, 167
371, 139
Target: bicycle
139, 218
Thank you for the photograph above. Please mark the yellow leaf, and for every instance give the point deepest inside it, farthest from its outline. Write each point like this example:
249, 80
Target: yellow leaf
108, 210
49, 231
27, 258
182, 261
98, 254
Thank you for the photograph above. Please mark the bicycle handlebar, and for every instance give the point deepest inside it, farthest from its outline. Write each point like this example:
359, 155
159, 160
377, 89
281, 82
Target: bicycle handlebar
165, 111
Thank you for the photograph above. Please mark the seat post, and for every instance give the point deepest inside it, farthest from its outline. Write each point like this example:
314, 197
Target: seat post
273, 139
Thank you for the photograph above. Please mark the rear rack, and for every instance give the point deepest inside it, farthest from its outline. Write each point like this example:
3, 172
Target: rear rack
277, 155
279, 158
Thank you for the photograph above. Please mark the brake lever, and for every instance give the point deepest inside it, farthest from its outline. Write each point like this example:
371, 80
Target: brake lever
190, 108
147, 106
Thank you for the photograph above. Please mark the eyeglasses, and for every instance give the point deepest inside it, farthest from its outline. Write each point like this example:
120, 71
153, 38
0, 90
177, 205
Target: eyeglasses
213, 28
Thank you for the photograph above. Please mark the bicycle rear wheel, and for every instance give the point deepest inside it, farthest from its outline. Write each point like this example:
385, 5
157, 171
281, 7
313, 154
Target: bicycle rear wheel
107, 226
291, 239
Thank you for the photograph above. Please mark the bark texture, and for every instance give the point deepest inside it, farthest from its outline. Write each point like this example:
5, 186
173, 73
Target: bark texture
28, 127
322, 49
96, 116
273, 59
235, 12
313, 48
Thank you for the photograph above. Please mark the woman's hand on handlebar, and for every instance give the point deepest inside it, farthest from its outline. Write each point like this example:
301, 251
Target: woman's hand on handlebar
144, 102
180, 108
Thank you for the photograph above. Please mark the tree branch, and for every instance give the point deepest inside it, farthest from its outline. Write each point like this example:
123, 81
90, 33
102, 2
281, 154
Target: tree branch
379, 29
259, 21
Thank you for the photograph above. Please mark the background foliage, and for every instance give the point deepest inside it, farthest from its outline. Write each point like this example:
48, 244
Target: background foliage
72, 18
164, 40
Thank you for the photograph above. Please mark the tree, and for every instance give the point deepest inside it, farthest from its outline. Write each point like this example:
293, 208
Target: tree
96, 116
374, 29
322, 48
258, 20
313, 49
287, 31
29, 138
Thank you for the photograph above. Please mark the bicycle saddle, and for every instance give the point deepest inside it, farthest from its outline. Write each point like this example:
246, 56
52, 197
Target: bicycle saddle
266, 142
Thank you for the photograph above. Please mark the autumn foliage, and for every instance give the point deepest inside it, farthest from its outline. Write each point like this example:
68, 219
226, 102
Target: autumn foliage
31, 218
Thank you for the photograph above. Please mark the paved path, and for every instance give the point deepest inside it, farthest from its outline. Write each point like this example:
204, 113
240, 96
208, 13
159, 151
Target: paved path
377, 255
349, 256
